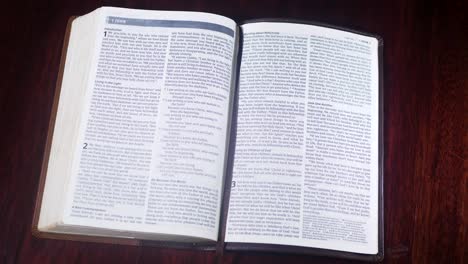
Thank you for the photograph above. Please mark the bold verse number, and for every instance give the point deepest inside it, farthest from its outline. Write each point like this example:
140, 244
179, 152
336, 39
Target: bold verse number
85, 145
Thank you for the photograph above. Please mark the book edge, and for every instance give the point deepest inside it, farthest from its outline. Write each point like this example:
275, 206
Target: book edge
50, 130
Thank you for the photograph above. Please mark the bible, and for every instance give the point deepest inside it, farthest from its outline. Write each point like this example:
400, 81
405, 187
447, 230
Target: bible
189, 130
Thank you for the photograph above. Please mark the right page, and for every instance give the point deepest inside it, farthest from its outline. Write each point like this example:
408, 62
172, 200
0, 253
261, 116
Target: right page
306, 170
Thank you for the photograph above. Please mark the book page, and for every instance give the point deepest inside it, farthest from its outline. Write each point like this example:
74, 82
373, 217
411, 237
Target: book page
153, 138
306, 157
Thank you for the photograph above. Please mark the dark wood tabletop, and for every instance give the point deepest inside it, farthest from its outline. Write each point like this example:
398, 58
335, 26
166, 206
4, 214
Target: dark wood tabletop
426, 135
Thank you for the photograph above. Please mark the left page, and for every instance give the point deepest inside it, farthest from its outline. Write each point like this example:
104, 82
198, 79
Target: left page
152, 140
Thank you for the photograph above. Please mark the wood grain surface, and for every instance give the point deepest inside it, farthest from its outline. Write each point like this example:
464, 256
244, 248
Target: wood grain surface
426, 87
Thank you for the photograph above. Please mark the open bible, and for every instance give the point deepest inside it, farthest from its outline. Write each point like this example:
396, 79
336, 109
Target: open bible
186, 129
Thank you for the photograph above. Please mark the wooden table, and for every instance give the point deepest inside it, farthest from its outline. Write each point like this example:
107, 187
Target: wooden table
426, 86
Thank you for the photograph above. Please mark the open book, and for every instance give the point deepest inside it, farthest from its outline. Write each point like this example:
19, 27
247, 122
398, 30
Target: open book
187, 129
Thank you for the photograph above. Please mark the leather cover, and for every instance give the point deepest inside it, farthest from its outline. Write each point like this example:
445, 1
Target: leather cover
221, 246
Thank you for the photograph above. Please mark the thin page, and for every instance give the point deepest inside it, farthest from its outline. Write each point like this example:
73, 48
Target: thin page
306, 158
152, 140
